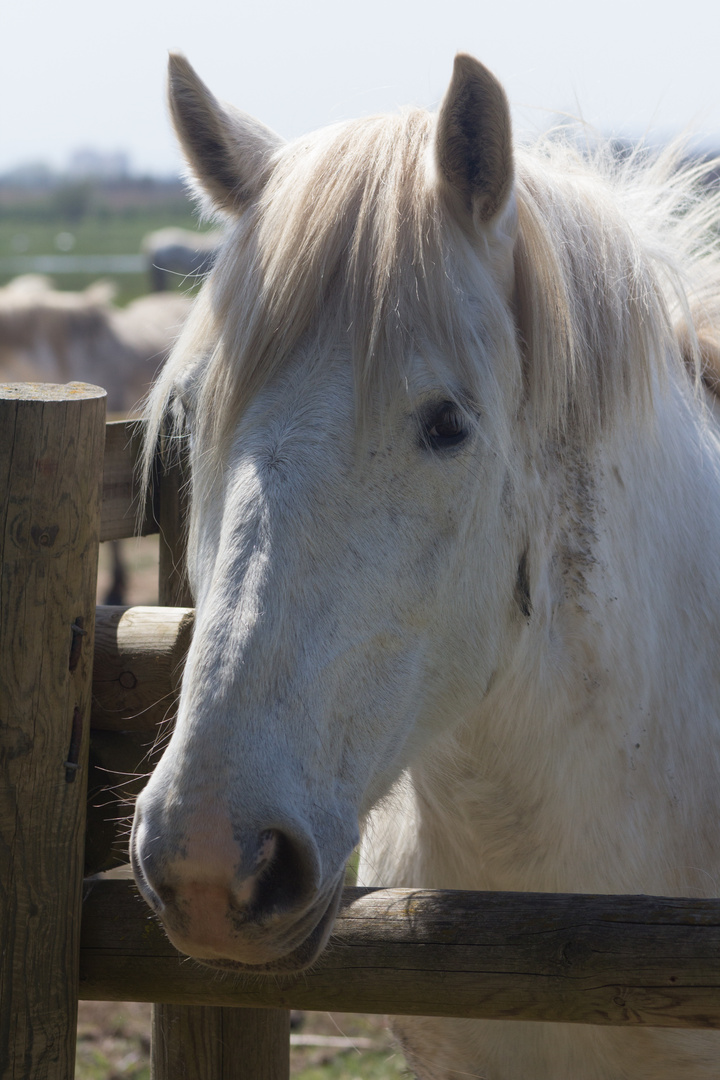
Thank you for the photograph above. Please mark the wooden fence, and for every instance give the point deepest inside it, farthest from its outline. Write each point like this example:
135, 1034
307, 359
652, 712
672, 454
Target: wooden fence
68, 725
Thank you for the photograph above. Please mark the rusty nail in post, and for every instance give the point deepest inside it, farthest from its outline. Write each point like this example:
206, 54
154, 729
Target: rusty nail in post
72, 764
78, 633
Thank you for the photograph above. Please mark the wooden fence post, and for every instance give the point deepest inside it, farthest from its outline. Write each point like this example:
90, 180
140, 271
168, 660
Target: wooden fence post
51, 457
208, 1042
197, 1042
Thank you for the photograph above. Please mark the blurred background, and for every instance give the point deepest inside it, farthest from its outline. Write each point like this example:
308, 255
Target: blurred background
100, 249
88, 164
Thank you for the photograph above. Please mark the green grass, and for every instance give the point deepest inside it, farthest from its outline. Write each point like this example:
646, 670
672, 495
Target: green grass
99, 233
354, 1066
93, 1064
114, 1043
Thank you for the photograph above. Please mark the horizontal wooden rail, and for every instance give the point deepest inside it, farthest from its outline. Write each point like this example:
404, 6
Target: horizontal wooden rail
622, 960
139, 656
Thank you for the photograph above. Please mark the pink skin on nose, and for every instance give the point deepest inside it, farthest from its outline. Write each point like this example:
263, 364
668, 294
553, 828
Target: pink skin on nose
207, 891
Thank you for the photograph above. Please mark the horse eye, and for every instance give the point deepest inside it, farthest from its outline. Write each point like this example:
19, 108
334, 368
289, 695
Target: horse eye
446, 426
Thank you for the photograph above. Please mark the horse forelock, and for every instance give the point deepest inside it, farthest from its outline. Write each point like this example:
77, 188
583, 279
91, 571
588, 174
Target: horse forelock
351, 238
350, 241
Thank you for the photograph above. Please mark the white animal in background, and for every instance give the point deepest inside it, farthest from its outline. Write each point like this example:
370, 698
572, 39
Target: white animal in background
48, 335
174, 253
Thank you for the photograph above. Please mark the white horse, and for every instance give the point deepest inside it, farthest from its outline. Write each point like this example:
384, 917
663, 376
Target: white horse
454, 546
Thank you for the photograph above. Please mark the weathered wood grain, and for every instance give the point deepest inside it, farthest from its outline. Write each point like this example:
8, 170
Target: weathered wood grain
118, 767
222, 1044
622, 960
172, 494
139, 656
51, 447
121, 496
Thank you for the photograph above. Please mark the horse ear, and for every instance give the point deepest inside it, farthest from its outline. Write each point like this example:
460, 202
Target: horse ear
473, 143
228, 152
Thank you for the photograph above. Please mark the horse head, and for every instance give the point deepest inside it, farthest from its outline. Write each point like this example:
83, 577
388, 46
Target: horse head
347, 383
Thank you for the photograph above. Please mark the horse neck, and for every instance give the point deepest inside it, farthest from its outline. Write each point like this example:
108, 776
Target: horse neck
595, 735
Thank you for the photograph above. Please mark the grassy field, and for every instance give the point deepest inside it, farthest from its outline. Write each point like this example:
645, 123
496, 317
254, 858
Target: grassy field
28, 231
114, 1044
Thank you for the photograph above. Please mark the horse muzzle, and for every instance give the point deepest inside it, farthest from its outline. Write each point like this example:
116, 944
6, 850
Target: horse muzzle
253, 901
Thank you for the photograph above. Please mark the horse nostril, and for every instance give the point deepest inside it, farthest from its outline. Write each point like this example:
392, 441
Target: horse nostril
214, 877
287, 874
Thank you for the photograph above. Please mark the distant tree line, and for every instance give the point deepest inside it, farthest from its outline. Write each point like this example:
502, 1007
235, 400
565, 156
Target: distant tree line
54, 197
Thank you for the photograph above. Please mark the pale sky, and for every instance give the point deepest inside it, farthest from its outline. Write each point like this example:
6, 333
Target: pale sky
87, 73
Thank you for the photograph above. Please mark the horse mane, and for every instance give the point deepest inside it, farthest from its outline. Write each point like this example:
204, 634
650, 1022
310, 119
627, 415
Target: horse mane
615, 262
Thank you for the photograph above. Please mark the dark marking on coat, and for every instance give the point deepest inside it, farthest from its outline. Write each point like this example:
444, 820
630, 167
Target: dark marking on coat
522, 587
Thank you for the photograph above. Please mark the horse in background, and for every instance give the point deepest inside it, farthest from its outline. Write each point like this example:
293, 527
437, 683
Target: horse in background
49, 335
179, 253
453, 542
